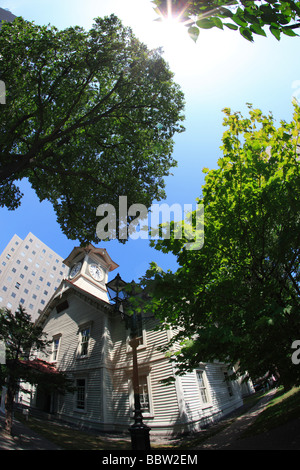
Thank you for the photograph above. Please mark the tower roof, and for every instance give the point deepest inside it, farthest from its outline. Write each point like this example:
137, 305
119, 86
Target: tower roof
93, 250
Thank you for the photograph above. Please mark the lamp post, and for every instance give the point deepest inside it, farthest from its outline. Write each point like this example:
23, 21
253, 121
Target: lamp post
140, 432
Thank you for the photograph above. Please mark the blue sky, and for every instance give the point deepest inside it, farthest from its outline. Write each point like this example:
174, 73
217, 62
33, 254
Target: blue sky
221, 70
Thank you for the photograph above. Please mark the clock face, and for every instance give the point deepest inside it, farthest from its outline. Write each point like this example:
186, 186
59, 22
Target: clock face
75, 270
96, 272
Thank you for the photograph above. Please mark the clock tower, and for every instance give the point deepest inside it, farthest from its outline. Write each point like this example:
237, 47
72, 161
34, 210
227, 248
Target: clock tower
89, 268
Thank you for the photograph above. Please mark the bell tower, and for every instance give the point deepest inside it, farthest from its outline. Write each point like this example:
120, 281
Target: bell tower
89, 268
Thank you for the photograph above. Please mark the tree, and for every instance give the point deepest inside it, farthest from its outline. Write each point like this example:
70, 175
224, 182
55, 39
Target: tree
89, 116
237, 299
23, 339
247, 16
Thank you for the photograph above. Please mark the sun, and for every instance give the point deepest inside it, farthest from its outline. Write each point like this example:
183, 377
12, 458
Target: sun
170, 33
161, 29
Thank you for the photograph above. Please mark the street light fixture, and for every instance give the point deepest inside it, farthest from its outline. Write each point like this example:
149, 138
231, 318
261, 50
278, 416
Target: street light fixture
140, 438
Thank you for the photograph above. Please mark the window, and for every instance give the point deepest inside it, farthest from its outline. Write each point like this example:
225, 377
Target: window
202, 384
80, 394
228, 384
84, 341
144, 395
55, 346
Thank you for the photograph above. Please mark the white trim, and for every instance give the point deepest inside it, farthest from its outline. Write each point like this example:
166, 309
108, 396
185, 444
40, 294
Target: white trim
145, 414
205, 387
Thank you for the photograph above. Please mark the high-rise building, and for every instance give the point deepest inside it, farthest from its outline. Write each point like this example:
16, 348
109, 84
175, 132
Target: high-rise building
30, 272
6, 15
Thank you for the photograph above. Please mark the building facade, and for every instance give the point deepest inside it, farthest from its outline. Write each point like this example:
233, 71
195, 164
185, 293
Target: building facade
30, 272
91, 343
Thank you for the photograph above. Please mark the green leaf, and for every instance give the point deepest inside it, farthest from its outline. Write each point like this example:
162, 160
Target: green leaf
194, 33
257, 30
246, 33
218, 23
289, 32
275, 31
231, 26
286, 137
205, 23
224, 12
239, 19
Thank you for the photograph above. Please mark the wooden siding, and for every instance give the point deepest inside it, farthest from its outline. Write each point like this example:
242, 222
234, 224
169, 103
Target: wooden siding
219, 403
107, 370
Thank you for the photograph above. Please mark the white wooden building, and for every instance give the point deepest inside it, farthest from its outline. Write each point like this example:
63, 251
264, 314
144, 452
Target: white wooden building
91, 343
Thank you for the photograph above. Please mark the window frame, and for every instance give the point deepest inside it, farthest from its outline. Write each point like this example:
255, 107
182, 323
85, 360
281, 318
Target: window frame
150, 412
228, 383
77, 398
55, 351
81, 330
203, 386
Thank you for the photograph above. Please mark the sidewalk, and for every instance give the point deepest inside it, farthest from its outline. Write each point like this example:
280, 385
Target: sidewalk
23, 438
285, 437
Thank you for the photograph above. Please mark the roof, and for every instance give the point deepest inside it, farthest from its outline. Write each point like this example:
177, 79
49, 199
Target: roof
91, 249
59, 294
41, 366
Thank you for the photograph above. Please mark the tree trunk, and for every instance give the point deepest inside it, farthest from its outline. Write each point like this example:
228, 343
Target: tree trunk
9, 406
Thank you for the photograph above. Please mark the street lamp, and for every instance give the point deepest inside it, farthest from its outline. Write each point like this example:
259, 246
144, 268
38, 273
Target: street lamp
140, 438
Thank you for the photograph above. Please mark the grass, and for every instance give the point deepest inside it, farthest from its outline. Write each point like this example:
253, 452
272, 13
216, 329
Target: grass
282, 408
68, 438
